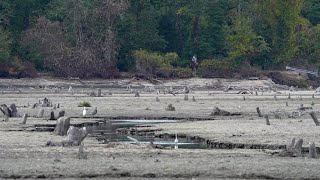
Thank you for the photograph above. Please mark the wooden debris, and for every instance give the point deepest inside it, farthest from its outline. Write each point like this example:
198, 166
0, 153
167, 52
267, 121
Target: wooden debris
292, 150
219, 112
62, 126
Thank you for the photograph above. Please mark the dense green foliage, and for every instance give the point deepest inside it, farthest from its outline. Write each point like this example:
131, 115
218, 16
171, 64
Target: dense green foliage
97, 38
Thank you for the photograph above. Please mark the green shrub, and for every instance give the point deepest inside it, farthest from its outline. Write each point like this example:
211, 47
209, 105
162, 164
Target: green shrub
84, 104
149, 63
215, 68
214, 64
182, 73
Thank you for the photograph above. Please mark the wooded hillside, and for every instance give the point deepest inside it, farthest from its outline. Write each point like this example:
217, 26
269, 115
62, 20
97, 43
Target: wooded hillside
99, 38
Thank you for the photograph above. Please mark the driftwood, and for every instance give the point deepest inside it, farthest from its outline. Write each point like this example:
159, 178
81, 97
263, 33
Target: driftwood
293, 149
52, 116
315, 119
40, 113
61, 114
259, 112
74, 137
170, 108
24, 119
62, 126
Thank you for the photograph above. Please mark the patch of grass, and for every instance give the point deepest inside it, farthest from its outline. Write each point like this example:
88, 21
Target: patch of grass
84, 104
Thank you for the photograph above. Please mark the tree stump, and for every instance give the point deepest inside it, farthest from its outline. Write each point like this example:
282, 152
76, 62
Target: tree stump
193, 99
312, 150
52, 116
170, 108
275, 97
92, 94
74, 137
58, 106
24, 119
14, 111
219, 112
136, 94
81, 153
312, 96
259, 112
5, 110
287, 104
293, 149
267, 119
157, 99
62, 126
186, 97
99, 92
5, 118
40, 113
61, 114
315, 119
289, 96
95, 111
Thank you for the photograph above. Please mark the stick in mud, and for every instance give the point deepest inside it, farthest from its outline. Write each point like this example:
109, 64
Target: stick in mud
267, 119
259, 112
24, 119
312, 150
315, 119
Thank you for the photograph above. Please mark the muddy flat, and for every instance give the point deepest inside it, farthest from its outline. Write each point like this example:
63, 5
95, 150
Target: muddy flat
239, 146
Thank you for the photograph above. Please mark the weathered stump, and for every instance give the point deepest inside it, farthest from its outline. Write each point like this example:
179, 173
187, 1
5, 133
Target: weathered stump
267, 119
14, 111
52, 116
24, 119
40, 113
289, 96
61, 114
95, 111
5, 110
312, 96
74, 137
293, 149
244, 98
58, 106
193, 99
275, 97
259, 112
315, 119
186, 98
62, 126
157, 99
312, 103
81, 153
136, 94
287, 104
219, 112
312, 150
99, 92
170, 108
92, 94
5, 118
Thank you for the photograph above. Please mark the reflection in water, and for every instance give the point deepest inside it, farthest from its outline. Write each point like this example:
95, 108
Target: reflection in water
106, 131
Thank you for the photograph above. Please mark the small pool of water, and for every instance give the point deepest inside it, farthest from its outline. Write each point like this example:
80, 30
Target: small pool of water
106, 131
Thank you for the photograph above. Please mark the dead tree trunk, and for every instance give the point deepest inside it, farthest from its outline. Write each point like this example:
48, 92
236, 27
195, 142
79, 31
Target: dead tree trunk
63, 124
259, 112
315, 119
24, 118
14, 111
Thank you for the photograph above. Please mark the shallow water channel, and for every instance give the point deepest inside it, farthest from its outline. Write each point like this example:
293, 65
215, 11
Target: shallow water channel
107, 131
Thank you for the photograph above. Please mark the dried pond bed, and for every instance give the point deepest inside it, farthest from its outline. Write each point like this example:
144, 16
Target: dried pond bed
23, 152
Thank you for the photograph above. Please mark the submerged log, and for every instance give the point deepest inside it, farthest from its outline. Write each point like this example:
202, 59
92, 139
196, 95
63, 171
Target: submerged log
62, 126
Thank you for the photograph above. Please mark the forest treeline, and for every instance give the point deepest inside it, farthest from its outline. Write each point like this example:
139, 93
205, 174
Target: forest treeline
100, 38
